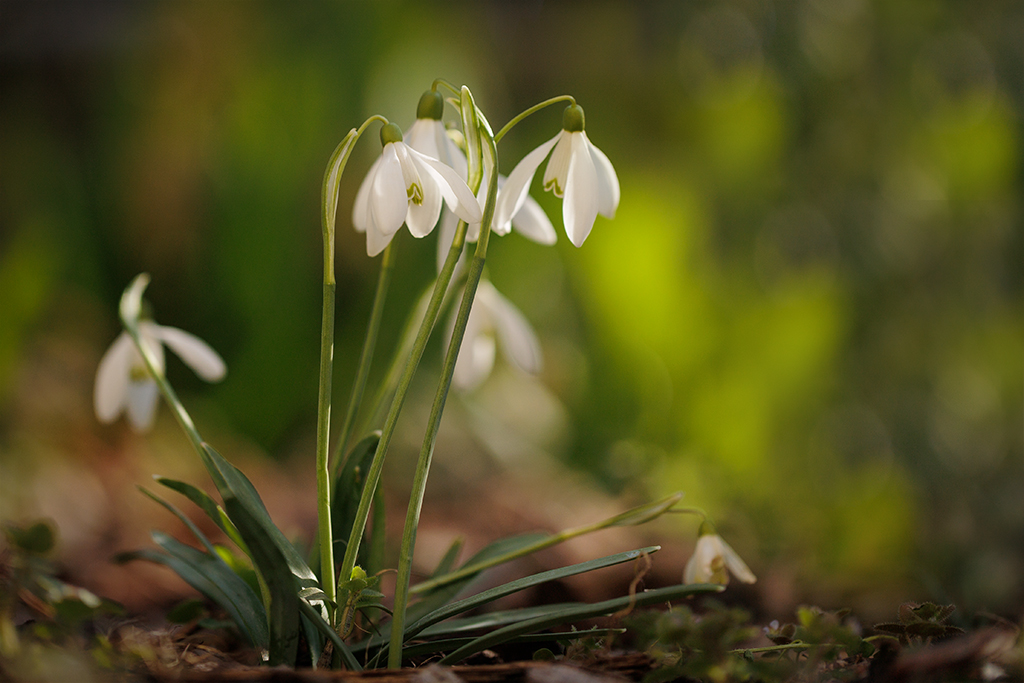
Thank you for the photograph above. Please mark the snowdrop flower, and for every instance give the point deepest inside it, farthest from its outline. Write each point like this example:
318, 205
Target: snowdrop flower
493, 316
713, 559
578, 172
429, 136
406, 186
123, 384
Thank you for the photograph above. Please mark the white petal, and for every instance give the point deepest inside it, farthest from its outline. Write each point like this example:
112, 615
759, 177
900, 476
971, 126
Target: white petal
455, 190
531, 222
422, 217
511, 198
376, 241
579, 208
736, 565
445, 236
518, 340
150, 339
111, 389
476, 360
698, 568
422, 137
476, 355
556, 175
361, 206
607, 181
388, 200
141, 403
196, 353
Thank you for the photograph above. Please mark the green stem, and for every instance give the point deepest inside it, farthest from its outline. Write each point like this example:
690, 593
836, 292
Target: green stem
377, 464
323, 426
387, 267
433, 426
329, 206
532, 110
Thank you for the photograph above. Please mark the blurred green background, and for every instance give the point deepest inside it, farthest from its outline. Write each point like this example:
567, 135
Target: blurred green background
807, 313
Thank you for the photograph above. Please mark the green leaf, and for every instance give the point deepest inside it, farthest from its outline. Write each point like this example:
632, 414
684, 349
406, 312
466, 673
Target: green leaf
209, 575
571, 614
497, 592
645, 513
206, 504
186, 611
316, 618
348, 487
37, 539
498, 552
279, 577
448, 645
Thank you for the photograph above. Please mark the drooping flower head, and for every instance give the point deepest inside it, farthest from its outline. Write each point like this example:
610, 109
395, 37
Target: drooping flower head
578, 172
123, 383
428, 135
493, 321
713, 559
406, 186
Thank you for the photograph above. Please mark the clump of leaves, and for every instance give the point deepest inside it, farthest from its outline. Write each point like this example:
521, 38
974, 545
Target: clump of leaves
921, 622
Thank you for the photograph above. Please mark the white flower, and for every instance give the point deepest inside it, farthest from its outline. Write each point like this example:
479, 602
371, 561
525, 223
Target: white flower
124, 384
578, 172
429, 136
712, 561
406, 186
493, 316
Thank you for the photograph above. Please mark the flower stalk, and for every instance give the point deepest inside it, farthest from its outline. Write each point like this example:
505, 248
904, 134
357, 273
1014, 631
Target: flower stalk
448, 369
329, 206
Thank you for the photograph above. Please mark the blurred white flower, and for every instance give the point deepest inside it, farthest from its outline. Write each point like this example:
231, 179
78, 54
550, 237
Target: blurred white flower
123, 384
406, 186
493, 320
713, 559
578, 172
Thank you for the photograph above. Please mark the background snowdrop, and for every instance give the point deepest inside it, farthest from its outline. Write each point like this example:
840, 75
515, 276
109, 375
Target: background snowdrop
493, 320
123, 384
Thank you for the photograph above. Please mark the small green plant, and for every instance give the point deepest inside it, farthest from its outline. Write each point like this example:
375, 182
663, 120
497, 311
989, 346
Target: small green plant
921, 622
320, 610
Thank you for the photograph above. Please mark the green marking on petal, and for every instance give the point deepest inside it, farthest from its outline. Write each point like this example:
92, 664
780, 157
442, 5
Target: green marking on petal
553, 187
415, 194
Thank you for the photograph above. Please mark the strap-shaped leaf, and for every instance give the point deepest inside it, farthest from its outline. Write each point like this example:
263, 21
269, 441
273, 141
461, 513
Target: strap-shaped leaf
638, 515
282, 583
447, 588
207, 505
511, 587
210, 576
313, 615
451, 644
233, 484
577, 613
348, 487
